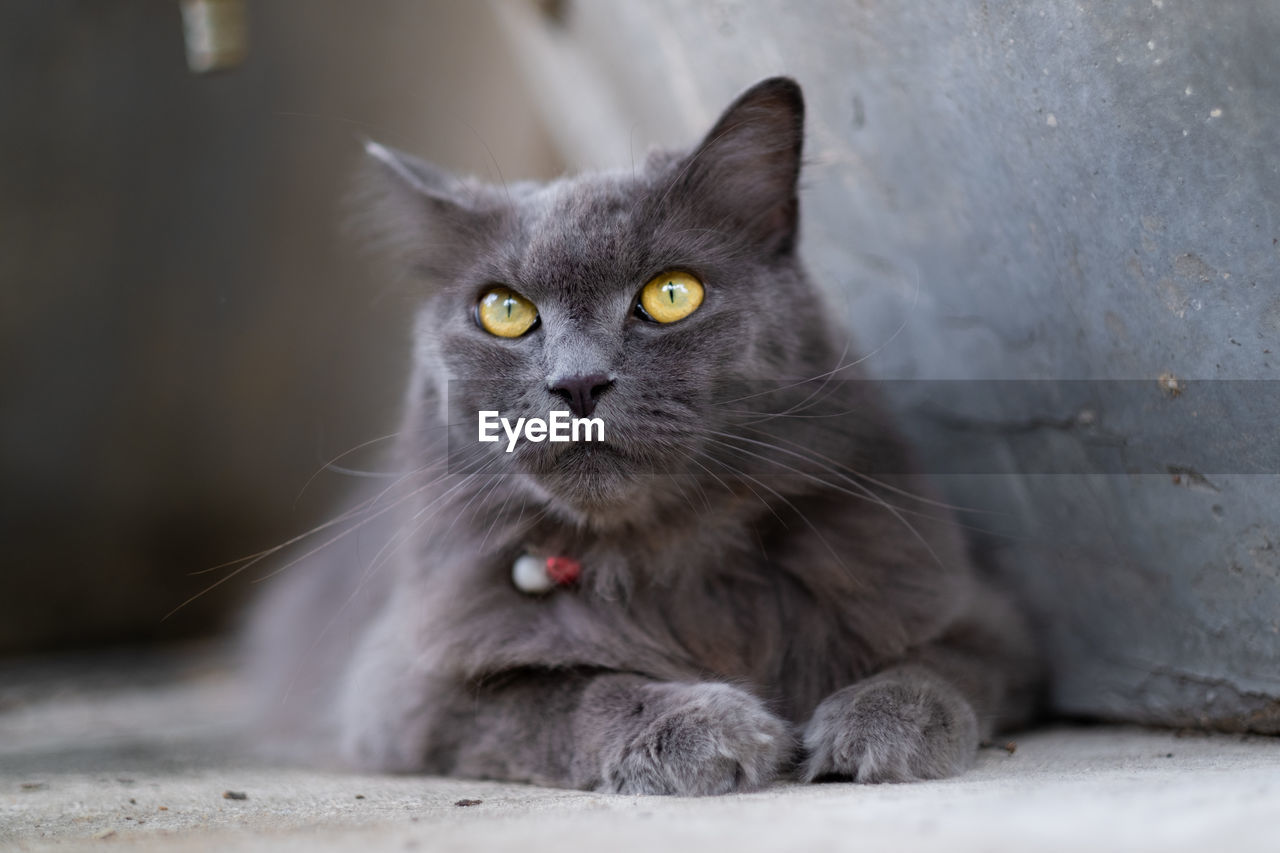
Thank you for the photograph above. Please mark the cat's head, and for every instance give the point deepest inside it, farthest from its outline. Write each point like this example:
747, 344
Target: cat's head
639, 297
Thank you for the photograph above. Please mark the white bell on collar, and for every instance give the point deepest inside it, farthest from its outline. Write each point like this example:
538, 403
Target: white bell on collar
535, 575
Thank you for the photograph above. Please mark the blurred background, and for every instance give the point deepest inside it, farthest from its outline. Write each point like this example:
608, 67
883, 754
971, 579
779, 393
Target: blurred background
1032, 191
185, 333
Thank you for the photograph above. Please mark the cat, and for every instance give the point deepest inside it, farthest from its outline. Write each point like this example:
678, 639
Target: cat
746, 602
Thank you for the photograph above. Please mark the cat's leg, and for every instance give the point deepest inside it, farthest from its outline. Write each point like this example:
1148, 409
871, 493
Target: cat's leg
590, 729
615, 732
605, 732
924, 718
907, 722
637, 736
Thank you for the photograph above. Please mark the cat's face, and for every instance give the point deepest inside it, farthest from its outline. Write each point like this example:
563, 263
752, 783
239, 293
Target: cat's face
578, 253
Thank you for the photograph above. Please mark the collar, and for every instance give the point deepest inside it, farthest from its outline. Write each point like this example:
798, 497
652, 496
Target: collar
535, 575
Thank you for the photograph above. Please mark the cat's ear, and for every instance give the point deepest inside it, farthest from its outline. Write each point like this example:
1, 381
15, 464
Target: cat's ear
422, 215
743, 175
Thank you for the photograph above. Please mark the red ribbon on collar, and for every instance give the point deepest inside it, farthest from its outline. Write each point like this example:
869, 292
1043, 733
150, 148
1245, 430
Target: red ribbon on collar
563, 570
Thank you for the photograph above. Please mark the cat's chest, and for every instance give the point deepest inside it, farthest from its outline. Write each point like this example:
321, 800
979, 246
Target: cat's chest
745, 620
744, 624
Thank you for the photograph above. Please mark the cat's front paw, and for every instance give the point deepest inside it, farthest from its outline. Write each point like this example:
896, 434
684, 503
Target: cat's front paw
898, 726
695, 739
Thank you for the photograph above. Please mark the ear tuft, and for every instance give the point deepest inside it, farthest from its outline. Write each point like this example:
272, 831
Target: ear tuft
397, 163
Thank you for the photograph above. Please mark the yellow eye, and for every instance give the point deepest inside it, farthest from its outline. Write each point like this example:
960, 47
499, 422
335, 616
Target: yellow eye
671, 296
505, 313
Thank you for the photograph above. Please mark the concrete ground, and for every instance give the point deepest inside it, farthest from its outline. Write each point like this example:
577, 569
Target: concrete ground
120, 754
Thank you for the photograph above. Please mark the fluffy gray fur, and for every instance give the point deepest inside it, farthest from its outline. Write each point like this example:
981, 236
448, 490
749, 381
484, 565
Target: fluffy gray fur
752, 602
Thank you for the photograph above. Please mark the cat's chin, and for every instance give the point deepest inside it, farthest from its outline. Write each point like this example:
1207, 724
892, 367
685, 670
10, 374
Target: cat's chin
596, 483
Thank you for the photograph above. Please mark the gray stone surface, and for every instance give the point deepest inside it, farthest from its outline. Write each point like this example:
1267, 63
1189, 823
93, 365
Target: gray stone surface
121, 754
1039, 190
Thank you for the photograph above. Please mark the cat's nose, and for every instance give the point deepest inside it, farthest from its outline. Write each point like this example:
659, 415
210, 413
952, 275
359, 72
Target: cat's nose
581, 392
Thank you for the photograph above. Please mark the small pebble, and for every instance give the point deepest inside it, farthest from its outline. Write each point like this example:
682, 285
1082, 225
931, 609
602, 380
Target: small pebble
359, 796
34, 786
234, 795
468, 802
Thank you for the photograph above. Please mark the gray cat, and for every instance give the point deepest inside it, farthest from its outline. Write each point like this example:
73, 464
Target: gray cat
737, 597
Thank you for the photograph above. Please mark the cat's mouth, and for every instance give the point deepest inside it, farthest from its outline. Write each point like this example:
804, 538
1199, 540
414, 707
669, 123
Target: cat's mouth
581, 460
589, 477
